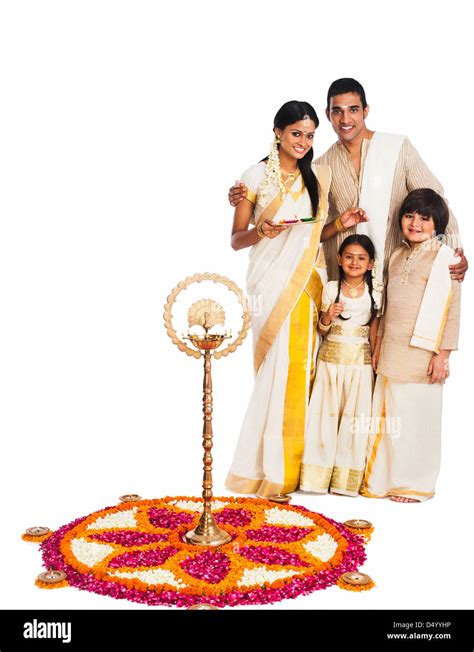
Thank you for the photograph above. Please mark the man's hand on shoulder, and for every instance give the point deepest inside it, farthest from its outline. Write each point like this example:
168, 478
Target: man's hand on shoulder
458, 271
237, 193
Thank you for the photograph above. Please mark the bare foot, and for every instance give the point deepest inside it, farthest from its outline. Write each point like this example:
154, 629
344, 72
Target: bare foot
402, 499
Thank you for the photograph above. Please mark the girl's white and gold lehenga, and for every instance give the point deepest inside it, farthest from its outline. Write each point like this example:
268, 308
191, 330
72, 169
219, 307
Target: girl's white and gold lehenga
284, 285
339, 412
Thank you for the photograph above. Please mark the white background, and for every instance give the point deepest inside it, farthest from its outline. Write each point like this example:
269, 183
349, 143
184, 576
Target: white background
122, 126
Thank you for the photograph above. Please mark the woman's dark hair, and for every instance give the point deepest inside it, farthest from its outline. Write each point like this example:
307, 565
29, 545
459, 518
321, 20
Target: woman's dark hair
346, 85
288, 114
428, 203
366, 243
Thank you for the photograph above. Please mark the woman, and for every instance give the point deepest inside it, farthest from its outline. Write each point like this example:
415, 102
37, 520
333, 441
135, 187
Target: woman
284, 283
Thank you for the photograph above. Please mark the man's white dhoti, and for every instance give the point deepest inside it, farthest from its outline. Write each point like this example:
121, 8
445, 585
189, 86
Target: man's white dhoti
405, 444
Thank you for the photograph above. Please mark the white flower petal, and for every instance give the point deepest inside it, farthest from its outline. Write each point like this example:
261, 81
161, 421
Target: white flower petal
277, 516
116, 519
323, 548
153, 576
88, 552
191, 506
258, 576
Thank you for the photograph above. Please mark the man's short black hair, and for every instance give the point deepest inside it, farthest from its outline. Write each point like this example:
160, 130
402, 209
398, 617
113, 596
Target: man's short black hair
346, 85
428, 203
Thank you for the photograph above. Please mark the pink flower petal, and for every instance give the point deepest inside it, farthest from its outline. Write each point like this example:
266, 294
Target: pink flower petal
278, 534
129, 538
210, 566
154, 557
164, 518
235, 517
272, 555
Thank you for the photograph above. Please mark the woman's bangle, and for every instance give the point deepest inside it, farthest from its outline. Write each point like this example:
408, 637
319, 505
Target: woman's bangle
323, 327
260, 232
339, 226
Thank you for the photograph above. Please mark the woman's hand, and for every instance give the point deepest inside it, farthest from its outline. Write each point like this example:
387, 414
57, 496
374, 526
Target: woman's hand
438, 368
353, 216
237, 193
332, 313
271, 230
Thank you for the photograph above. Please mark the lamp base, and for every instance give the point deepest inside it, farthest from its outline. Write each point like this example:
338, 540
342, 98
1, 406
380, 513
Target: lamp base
207, 533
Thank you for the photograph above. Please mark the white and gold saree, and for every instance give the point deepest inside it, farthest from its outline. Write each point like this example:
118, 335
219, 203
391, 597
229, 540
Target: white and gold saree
284, 285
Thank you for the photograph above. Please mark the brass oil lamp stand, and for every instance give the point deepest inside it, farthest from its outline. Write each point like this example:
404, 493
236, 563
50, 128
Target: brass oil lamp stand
207, 533
202, 316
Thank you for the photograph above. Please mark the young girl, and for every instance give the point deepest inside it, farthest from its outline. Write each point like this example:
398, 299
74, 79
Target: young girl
340, 407
417, 334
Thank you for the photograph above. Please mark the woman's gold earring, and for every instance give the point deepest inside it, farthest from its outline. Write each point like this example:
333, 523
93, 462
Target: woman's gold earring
277, 140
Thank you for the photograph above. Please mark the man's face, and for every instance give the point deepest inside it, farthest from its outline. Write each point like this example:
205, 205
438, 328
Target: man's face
347, 117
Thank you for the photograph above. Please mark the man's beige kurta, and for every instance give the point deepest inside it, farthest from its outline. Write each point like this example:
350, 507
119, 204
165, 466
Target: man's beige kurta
411, 172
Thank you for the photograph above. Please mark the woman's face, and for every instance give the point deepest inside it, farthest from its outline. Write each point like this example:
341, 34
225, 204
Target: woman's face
297, 138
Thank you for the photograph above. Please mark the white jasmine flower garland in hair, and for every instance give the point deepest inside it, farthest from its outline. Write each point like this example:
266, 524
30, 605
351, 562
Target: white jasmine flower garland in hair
375, 277
273, 175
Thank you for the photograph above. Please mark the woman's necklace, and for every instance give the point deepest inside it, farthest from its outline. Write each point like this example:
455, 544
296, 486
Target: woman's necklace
353, 288
289, 178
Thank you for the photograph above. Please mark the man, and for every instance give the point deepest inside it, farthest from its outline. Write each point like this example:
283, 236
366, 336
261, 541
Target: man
374, 171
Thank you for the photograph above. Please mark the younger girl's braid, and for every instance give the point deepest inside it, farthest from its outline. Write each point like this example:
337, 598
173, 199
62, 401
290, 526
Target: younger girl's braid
341, 274
370, 285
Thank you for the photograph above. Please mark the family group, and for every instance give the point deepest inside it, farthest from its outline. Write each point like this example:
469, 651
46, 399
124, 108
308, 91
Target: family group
354, 281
